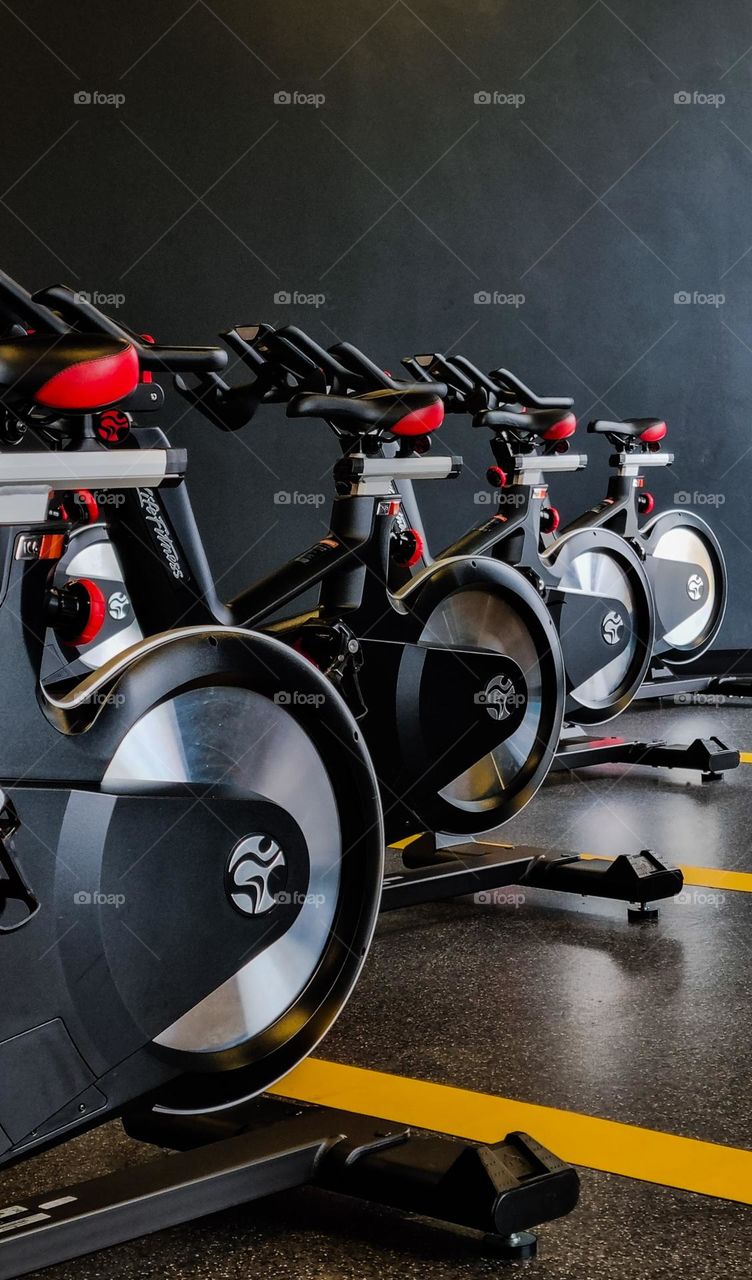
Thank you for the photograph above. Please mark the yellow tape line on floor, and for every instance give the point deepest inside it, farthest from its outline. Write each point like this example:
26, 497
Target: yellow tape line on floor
717, 878
745, 757
646, 1154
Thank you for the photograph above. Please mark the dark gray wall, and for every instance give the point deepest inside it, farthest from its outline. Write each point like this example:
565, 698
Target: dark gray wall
399, 198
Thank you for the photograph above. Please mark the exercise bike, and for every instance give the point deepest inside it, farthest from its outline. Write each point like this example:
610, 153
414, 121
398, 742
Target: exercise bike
190, 864
143, 775
682, 557
593, 582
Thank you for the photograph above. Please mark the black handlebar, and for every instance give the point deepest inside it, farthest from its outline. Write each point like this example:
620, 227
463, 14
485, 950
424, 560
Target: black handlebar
81, 314
18, 304
506, 381
365, 375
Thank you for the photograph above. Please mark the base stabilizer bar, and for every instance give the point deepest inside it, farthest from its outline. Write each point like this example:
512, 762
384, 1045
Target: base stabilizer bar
707, 756
433, 875
271, 1145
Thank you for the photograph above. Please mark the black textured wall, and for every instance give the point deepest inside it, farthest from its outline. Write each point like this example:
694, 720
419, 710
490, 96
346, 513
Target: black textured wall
390, 161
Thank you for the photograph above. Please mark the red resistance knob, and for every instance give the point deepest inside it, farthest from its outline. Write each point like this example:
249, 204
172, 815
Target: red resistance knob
113, 426
94, 611
407, 548
645, 503
550, 519
77, 611
496, 477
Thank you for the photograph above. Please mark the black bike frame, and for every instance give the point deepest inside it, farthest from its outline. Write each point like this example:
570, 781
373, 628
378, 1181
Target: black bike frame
619, 509
350, 563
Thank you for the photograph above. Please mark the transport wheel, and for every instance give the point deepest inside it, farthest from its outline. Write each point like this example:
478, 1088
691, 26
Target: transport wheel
605, 622
498, 611
299, 750
688, 576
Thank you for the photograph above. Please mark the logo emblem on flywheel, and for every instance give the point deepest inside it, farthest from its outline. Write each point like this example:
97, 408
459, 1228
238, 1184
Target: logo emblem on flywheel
499, 697
118, 605
695, 586
256, 874
611, 627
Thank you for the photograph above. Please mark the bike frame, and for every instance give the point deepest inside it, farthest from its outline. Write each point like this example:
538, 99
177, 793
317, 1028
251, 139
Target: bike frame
619, 509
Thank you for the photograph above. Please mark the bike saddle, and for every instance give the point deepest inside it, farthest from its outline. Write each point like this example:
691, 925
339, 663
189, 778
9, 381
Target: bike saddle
408, 412
549, 424
650, 430
72, 373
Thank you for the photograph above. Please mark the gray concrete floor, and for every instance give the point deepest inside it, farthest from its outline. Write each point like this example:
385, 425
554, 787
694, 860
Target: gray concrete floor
551, 1000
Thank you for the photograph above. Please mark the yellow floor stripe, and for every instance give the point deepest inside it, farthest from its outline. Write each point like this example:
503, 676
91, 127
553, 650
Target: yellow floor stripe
717, 878
745, 757
645, 1154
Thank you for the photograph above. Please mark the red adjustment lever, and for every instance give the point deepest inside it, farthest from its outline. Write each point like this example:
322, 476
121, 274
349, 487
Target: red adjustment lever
645, 503
496, 477
407, 548
550, 519
146, 375
84, 507
87, 505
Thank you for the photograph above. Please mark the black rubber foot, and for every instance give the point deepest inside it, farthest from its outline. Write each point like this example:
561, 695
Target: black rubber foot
712, 777
521, 1246
642, 914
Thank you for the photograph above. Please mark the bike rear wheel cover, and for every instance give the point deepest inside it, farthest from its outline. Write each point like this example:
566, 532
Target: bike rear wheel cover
606, 573
240, 742
498, 785
690, 541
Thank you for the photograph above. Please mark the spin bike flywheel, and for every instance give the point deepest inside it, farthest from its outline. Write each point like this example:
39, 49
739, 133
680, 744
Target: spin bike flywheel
282, 743
604, 613
687, 573
480, 606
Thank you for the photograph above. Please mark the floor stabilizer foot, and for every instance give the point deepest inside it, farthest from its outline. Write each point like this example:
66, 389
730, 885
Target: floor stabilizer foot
519, 1247
702, 755
630, 877
642, 914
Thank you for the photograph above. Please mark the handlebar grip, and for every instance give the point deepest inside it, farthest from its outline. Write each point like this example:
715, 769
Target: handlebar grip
182, 359
414, 365
525, 395
302, 357
308, 346
77, 310
20, 305
474, 374
444, 367
359, 365
74, 308
228, 408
